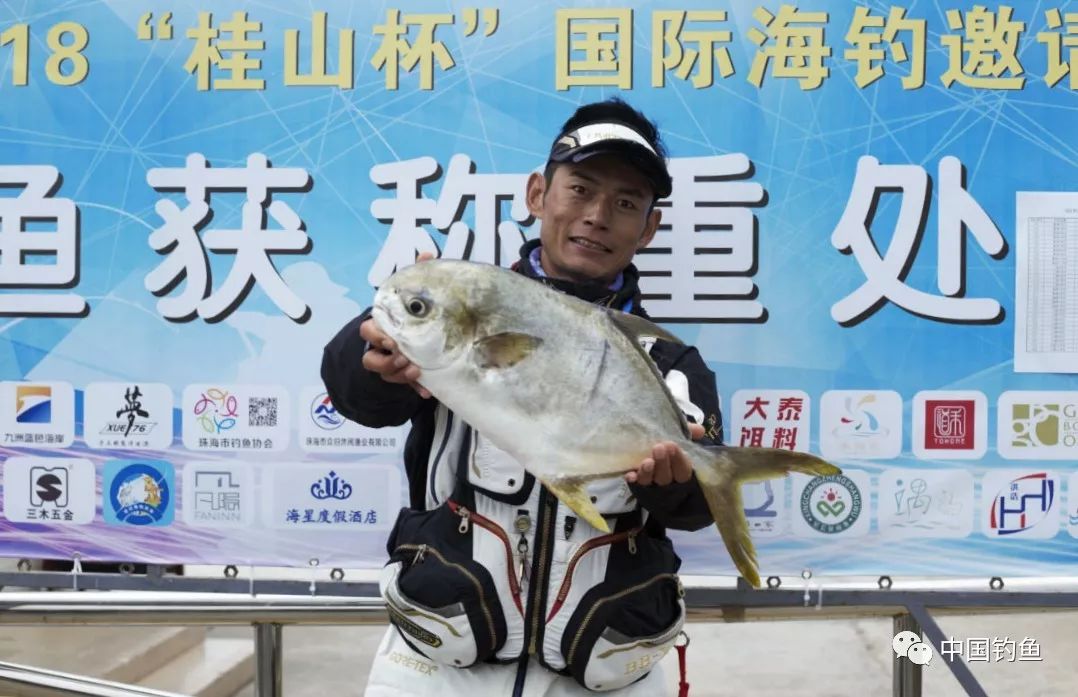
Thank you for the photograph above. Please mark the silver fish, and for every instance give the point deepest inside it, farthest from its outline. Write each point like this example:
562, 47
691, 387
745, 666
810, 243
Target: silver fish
563, 386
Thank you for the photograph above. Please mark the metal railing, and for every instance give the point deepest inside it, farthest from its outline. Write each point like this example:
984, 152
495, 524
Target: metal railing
911, 609
27, 681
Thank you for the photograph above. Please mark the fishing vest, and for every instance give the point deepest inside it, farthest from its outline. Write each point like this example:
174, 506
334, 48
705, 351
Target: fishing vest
496, 568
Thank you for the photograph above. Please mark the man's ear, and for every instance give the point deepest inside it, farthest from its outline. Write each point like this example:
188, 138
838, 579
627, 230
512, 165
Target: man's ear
534, 193
650, 228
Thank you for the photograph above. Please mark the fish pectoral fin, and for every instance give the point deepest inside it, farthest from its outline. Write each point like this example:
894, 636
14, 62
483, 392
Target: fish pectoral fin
571, 492
505, 349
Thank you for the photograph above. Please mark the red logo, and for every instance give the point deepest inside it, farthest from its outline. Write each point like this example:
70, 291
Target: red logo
949, 424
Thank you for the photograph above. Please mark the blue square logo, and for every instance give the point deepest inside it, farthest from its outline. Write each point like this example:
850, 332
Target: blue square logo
139, 492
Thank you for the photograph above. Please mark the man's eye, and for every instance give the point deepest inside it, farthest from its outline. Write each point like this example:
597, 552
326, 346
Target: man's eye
626, 203
578, 189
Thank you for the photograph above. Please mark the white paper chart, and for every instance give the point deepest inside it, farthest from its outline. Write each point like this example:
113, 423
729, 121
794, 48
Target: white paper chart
1046, 284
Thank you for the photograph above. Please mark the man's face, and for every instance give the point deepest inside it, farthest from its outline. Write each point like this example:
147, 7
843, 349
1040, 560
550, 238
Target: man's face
595, 216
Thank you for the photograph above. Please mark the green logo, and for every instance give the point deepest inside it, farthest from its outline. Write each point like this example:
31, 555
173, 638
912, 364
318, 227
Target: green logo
1035, 425
831, 504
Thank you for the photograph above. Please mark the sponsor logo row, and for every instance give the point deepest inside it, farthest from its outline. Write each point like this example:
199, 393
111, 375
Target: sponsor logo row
946, 425
146, 492
140, 416
915, 503
909, 503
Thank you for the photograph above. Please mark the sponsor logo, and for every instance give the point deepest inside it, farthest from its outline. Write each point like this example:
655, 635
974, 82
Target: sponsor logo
949, 424
139, 492
831, 504
33, 404
324, 414
1022, 503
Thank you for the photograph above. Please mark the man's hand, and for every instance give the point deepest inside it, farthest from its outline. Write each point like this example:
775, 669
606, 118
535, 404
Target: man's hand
668, 463
384, 358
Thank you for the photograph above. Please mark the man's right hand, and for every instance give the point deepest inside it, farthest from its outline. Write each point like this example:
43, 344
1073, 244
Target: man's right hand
384, 358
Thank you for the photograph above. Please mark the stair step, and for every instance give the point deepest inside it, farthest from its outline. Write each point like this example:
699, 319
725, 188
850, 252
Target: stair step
216, 667
122, 654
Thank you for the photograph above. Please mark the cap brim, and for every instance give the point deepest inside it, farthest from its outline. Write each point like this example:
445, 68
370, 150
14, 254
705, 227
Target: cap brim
647, 162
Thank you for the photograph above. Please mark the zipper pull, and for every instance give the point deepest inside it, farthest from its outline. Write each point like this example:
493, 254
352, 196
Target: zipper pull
632, 541
570, 524
419, 554
465, 520
522, 553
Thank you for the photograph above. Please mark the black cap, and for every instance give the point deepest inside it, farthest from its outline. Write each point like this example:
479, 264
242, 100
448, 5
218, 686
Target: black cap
611, 137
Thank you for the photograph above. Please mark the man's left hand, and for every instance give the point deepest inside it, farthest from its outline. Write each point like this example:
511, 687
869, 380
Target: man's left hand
668, 463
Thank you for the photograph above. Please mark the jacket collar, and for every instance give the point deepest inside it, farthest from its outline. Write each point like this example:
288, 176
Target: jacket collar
626, 297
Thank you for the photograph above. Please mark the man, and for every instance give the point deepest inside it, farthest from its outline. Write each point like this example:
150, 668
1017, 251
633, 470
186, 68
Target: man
493, 586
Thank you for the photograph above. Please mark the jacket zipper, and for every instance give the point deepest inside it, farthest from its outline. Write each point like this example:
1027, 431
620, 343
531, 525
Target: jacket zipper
422, 550
467, 517
599, 603
591, 544
548, 509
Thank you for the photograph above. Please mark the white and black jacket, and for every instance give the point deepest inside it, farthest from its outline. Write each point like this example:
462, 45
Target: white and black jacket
487, 565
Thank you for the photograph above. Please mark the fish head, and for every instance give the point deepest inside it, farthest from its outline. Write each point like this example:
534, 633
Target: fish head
431, 311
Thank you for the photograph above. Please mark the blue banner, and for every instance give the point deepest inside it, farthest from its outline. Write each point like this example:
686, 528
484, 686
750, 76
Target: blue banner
872, 239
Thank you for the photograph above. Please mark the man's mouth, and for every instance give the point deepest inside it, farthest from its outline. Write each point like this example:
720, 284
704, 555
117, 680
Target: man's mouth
589, 244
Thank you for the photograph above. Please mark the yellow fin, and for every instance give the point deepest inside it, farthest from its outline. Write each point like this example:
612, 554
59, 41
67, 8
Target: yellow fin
505, 350
571, 492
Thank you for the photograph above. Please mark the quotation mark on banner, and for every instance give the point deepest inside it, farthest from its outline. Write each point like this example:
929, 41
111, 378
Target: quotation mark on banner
164, 27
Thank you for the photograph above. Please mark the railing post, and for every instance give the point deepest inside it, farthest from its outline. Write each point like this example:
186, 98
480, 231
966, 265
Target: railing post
906, 681
268, 660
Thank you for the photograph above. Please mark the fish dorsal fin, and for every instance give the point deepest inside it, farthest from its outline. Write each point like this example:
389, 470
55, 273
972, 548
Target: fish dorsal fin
636, 327
505, 349
633, 328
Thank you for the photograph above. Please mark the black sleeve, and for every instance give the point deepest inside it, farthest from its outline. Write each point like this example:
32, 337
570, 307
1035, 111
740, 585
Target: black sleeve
357, 393
682, 506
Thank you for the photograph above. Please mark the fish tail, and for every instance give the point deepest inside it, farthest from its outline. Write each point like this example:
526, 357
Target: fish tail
722, 470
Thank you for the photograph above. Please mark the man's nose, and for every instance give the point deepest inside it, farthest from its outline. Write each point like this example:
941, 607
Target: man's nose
598, 211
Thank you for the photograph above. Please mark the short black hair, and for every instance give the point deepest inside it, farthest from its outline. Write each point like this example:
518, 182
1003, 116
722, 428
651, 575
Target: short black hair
614, 110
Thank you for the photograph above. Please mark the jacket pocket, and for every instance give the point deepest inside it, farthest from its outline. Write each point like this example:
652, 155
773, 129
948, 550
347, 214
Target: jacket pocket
442, 602
619, 631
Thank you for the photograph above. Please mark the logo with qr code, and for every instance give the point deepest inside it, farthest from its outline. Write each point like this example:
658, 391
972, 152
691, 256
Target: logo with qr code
262, 412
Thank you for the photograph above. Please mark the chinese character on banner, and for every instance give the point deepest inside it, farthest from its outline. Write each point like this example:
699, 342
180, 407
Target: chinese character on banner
798, 50
32, 257
318, 75
1059, 65
772, 419
206, 54
251, 244
699, 268
868, 42
885, 276
987, 56
396, 53
668, 30
491, 238
604, 37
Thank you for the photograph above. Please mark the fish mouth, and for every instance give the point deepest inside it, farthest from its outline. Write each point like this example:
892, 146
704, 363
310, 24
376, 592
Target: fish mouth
589, 244
383, 309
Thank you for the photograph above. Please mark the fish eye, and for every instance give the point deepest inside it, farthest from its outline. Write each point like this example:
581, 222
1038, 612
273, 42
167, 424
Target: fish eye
417, 307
